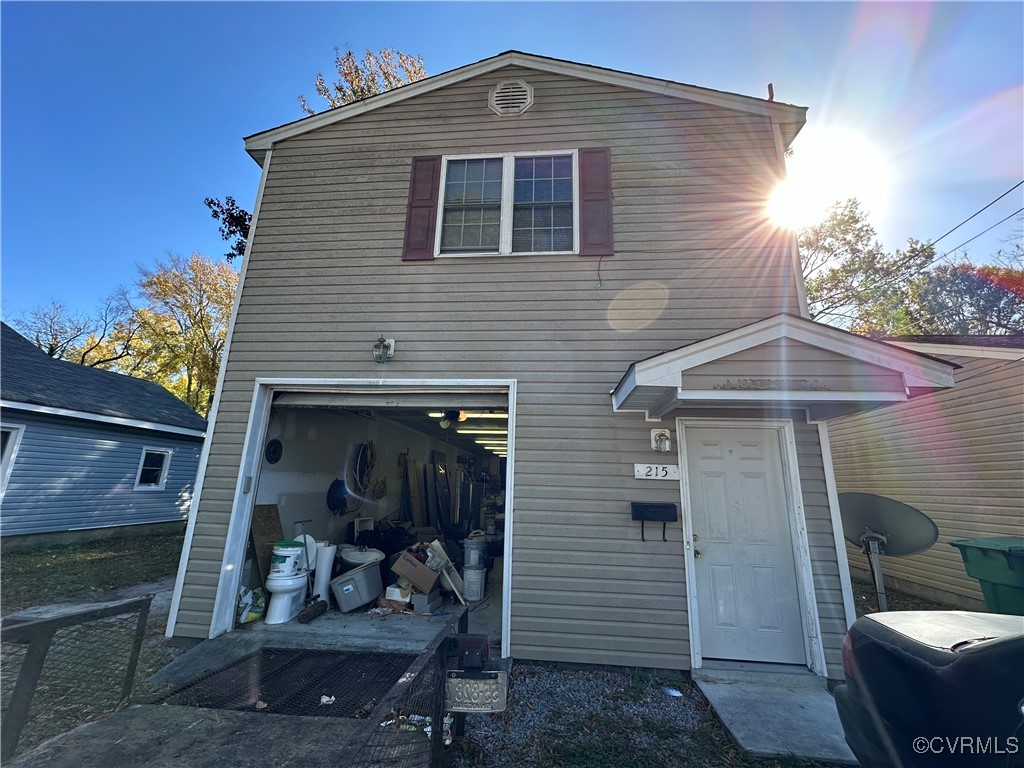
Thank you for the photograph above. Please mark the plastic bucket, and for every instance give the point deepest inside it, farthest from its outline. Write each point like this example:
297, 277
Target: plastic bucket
288, 559
474, 552
474, 579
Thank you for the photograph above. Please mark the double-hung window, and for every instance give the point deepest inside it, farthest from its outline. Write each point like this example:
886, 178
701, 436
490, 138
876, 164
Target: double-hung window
511, 203
556, 201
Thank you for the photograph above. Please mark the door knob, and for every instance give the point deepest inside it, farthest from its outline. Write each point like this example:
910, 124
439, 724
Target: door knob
696, 553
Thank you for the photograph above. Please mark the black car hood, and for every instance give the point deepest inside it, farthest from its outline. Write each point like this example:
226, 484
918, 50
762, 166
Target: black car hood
946, 629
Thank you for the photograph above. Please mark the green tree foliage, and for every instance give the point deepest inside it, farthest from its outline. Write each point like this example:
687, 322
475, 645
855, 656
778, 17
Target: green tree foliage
234, 223
965, 299
376, 73
852, 282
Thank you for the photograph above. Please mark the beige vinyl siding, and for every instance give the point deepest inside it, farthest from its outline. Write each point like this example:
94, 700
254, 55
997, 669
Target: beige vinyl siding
807, 367
828, 589
326, 278
958, 456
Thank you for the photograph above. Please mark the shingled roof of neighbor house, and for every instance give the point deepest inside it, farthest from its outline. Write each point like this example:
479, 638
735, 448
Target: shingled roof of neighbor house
1006, 341
28, 375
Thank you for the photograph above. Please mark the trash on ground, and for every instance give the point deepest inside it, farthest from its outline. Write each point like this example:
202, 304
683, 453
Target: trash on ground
325, 699
673, 692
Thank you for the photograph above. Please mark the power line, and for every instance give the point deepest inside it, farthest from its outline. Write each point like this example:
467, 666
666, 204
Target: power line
965, 242
954, 229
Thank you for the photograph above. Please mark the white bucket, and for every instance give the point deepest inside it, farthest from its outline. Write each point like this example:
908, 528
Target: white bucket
474, 578
288, 559
474, 552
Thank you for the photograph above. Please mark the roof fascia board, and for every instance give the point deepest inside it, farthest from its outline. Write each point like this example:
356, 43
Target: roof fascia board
955, 350
115, 420
263, 141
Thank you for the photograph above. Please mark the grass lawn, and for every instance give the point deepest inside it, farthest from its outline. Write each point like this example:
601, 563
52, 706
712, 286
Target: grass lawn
69, 572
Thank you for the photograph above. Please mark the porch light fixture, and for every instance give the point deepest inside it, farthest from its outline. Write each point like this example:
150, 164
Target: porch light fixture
383, 350
661, 440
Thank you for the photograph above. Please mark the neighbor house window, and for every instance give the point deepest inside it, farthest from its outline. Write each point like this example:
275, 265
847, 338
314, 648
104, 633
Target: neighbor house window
508, 204
152, 469
10, 439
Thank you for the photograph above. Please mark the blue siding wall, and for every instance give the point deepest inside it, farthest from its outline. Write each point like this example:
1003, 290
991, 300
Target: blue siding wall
72, 474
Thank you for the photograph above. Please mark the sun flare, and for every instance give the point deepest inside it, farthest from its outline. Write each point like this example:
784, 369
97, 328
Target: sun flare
827, 165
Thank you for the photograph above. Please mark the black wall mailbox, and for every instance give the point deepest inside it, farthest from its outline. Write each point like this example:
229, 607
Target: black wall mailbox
659, 513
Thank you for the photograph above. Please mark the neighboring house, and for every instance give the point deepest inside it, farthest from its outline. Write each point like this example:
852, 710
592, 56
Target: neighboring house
957, 455
581, 257
87, 449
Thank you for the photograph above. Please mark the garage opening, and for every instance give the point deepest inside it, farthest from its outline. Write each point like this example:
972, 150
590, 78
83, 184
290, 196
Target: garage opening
372, 471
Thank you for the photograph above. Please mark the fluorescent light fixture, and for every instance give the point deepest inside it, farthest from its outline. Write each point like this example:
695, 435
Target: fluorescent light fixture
482, 431
471, 415
491, 441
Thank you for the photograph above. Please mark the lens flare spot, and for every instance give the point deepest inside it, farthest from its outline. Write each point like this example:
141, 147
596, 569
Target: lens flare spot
637, 306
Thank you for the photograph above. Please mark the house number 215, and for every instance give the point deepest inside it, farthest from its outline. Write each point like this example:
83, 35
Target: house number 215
656, 471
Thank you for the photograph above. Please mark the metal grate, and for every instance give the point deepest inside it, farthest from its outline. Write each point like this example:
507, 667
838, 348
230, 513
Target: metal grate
292, 681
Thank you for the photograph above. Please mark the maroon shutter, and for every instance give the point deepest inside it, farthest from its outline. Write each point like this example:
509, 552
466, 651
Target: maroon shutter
596, 202
421, 215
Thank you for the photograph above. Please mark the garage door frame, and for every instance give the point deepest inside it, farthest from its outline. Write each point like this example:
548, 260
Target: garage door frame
246, 483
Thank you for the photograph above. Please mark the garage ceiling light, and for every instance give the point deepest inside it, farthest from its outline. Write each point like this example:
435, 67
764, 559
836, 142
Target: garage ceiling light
470, 415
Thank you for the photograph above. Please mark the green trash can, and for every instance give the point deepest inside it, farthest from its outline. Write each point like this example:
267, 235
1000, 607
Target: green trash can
998, 564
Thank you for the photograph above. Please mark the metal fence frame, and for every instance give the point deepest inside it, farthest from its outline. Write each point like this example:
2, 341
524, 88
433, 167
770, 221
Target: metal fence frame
38, 634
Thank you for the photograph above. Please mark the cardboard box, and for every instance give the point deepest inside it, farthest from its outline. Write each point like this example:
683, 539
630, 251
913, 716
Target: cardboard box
416, 572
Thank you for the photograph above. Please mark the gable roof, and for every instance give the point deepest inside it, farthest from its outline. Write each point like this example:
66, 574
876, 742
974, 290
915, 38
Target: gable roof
30, 377
789, 117
658, 385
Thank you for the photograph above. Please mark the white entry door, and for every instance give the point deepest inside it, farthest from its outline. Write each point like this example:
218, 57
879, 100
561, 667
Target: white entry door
748, 607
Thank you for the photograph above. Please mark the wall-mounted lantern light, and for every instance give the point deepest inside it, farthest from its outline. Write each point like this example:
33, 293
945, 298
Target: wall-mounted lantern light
383, 350
661, 440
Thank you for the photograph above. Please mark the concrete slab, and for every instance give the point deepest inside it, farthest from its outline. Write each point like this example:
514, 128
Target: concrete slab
777, 713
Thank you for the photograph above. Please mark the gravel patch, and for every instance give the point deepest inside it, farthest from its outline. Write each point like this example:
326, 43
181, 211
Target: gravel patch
591, 718
577, 717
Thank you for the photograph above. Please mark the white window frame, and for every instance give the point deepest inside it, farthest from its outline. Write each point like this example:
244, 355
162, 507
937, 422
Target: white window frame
507, 200
167, 452
7, 460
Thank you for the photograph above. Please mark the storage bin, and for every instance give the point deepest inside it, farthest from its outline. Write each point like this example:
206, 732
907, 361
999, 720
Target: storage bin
357, 587
998, 565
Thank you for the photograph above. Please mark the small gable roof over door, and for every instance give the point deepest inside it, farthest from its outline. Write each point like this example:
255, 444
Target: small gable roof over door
783, 361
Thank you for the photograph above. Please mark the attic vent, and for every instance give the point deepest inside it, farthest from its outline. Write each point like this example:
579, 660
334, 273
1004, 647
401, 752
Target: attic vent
511, 97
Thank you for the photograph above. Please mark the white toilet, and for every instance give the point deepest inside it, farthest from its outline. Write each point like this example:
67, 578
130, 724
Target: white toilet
286, 582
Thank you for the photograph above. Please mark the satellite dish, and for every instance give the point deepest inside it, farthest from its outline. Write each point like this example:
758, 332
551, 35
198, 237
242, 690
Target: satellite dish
883, 526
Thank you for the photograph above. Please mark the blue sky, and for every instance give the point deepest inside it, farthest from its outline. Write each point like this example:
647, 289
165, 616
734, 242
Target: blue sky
119, 118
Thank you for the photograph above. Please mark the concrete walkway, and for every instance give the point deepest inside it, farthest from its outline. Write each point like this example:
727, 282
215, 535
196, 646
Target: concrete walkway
777, 714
